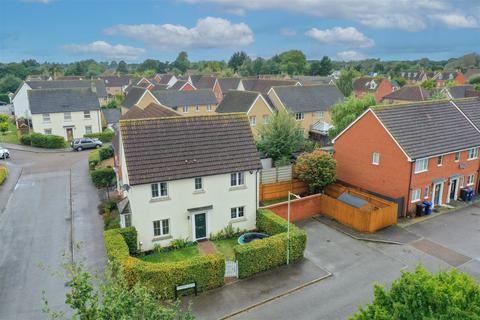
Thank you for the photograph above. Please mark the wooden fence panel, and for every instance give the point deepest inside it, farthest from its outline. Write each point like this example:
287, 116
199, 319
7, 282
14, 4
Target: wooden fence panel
277, 190
277, 174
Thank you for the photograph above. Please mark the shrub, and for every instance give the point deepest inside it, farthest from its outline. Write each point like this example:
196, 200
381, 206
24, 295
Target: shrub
316, 169
180, 243
271, 252
105, 153
4, 97
3, 174
105, 136
4, 118
103, 177
43, 141
93, 159
4, 126
115, 245
130, 236
111, 220
226, 233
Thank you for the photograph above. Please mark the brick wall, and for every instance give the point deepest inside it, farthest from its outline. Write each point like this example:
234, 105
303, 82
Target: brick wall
300, 209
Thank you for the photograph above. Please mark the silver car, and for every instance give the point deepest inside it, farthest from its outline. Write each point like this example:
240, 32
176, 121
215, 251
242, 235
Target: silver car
4, 153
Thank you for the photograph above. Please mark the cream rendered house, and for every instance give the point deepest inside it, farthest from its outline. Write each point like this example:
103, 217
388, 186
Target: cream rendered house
70, 113
189, 178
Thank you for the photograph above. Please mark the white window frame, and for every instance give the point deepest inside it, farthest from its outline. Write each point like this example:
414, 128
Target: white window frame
472, 153
160, 226
439, 161
457, 154
472, 178
299, 116
237, 179
376, 158
423, 168
253, 120
416, 195
46, 118
319, 114
265, 119
185, 109
161, 189
427, 192
87, 115
45, 131
209, 107
65, 118
237, 212
197, 108
198, 184
86, 131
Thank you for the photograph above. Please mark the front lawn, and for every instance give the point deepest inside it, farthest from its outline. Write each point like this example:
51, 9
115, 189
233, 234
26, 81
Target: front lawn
11, 136
226, 247
173, 255
274, 201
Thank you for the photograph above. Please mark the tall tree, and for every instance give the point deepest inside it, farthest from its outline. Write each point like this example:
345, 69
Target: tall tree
122, 67
293, 62
182, 63
149, 64
9, 83
325, 67
237, 59
345, 81
346, 112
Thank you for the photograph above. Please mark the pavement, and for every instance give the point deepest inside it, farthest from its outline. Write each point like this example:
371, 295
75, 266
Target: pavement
20, 147
52, 208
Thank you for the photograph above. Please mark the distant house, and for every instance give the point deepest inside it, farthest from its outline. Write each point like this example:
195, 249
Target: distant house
227, 84
190, 178
137, 96
153, 110
414, 77
310, 105
182, 85
70, 113
251, 103
207, 82
442, 77
407, 94
376, 86
110, 118
116, 85
264, 85
314, 80
21, 102
195, 102
456, 92
166, 79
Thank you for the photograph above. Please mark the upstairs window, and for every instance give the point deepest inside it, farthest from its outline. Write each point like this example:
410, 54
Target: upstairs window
299, 116
237, 179
376, 158
265, 119
253, 121
159, 190
440, 161
46, 117
86, 115
472, 153
67, 116
209, 107
421, 165
198, 184
457, 156
185, 109
319, 114
197, 108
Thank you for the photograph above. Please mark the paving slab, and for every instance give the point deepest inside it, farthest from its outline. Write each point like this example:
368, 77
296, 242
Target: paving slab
451, 257
241, 295
472, 268
392, 234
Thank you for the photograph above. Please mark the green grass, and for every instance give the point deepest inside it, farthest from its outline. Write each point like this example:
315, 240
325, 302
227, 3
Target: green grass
226, 247
173, 255
11, 136
274, 201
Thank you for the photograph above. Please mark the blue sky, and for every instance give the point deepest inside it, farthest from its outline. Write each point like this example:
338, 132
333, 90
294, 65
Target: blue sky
69, 30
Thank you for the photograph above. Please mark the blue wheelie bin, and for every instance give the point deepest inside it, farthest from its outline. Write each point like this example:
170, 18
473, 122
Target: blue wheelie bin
469, 194
428, 207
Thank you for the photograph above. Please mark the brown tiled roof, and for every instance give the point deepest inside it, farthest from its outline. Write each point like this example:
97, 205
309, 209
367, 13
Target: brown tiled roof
409, 93
165, 149
153, 110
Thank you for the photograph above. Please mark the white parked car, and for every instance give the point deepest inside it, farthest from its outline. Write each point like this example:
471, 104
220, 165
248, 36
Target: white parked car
4, 153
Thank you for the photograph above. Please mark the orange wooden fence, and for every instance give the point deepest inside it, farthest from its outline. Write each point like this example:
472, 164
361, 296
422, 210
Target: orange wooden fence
277, 190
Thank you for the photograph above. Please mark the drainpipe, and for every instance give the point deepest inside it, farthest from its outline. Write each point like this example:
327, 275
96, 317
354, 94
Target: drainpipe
409, 185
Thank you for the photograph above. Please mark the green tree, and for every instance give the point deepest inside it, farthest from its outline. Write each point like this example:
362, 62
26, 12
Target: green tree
293, 62
9, 83
91, 297
422, 295
475, 79
316, 169
429, 84
326, 66
345, 81
401, 81
237, 59
281, 136
122, 67
182, 63
346, 112
437, 95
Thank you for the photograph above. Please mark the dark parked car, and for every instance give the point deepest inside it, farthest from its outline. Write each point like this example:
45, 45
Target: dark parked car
85, 143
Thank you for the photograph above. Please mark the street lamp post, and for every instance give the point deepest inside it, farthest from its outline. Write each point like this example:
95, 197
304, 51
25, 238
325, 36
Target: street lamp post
288, 225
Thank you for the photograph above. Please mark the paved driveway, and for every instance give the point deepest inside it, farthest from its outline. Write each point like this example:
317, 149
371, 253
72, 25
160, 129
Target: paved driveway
36, 228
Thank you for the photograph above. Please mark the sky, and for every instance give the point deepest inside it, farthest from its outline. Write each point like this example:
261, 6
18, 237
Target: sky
134, 30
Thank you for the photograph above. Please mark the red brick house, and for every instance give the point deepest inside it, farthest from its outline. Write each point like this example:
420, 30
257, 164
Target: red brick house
412, 152
442, 77
377, 86
182, 85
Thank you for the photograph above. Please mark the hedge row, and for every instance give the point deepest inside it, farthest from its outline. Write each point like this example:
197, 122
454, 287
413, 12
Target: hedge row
207, 271
3, 174
39, 140
94, 159
130, 236
271, 252
103, 177
105, 136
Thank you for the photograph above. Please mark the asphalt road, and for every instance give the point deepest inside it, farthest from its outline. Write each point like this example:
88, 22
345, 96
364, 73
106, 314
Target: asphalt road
52, 208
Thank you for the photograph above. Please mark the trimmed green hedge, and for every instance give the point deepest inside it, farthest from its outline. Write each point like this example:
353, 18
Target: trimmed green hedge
103, 177
105, 153
39, 140
105, 136
271, 252
94, 159
130, 236
3, 174
207, 271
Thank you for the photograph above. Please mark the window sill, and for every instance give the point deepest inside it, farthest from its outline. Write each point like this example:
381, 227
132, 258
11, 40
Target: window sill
199, 191
237, 220
472, 159
470, 184
160, 199
160, 238
237, 188
415, 201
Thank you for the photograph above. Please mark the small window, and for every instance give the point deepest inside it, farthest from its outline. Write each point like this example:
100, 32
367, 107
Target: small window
237, 179
472, 153
265, 119
198, 184
47, 131
439, 161
185, 109
237, 212
86, 115
155, 193
416, 195
421, 165
127, 218
457, 156
470, 180
376, 158
197, 108
299, 116
427, 192
462, 181
159, 190
67, 116
319, 114
161, 227
46, 117
88, 129
209, 107
253, 121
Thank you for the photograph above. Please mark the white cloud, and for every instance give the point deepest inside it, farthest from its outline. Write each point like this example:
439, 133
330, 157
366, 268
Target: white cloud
287, 32
350, 56
349, 37
207, 33
399, 14
456, 20
107, 50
